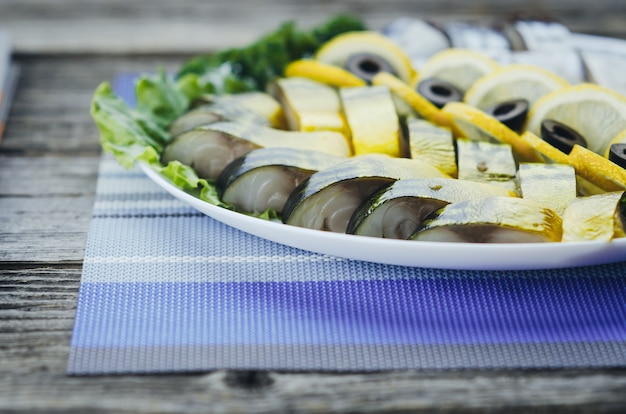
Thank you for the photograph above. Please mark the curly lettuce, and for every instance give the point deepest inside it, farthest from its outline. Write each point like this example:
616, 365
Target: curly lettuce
139, 134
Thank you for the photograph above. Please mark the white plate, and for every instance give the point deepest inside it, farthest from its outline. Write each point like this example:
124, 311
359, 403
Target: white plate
410, 253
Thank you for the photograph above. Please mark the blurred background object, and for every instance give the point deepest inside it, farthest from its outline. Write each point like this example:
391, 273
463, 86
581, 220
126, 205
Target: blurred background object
194, 26
8, 77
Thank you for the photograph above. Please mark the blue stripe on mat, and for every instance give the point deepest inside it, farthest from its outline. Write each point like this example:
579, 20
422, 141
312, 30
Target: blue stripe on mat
420, 311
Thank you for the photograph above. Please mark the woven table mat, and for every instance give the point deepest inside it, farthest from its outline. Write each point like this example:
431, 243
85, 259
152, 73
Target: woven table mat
167, 289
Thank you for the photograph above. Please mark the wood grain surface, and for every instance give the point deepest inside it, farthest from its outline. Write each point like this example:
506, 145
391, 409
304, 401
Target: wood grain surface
48, 171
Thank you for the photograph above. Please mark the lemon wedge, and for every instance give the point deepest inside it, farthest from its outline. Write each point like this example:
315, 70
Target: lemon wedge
598, 170
476, 125
422, 106
515, 81
549, 153
337, 51
371, 117
459, 67
596, 113
322, 72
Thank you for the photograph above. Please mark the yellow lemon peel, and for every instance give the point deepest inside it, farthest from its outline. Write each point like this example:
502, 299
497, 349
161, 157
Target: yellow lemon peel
323, 73
416, 101
597, 169
470, 121
515, 81
598, 114
337, 50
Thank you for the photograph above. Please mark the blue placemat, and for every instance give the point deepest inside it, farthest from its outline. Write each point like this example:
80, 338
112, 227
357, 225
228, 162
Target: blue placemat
165, 288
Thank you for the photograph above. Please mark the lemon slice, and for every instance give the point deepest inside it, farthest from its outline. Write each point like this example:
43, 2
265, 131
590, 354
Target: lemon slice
476, 125
596, 113
459, 67
597, 169
422, 106
337, 51
515, 81
549, 153
323, 73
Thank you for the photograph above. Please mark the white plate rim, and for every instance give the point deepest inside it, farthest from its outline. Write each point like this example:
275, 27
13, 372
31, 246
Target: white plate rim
456, 256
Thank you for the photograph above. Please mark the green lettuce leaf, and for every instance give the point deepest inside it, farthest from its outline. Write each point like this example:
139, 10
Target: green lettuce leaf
125, 132
133, 135
163, 98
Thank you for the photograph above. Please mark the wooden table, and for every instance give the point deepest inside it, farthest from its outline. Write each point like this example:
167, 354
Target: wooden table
48, 170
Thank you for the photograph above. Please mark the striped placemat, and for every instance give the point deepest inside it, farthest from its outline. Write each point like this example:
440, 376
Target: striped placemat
166, 289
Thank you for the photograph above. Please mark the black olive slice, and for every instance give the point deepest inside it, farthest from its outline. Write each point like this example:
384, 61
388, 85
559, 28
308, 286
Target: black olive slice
439, 92
511, 113
561, 136
367, 65
617, 154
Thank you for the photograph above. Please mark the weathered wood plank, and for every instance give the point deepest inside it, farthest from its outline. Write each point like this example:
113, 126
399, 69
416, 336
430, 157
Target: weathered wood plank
48, 176
45, 207
193, 26
50, 154
44, 229
50, 112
